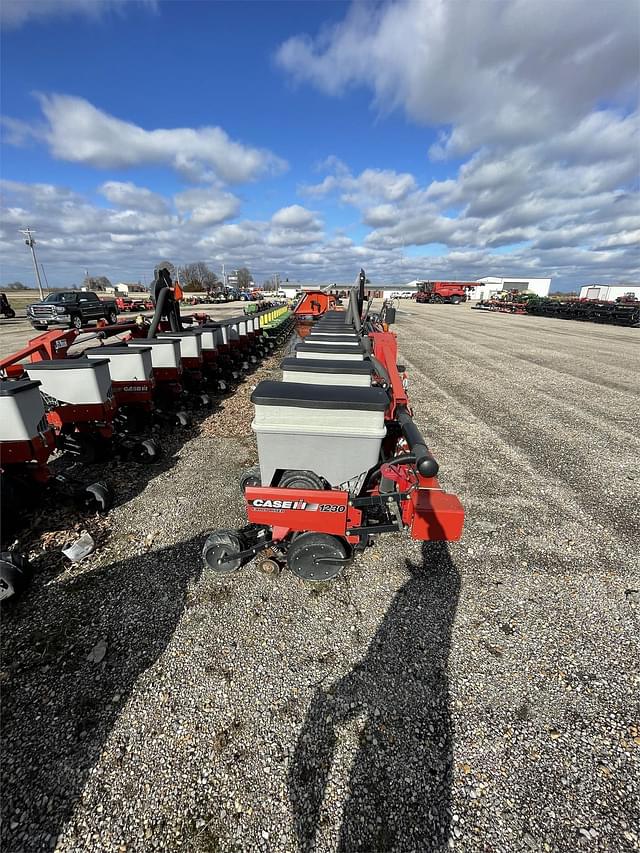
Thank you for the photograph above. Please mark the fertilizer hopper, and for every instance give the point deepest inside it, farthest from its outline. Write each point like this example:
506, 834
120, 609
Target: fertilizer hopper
24, 431
334, 432
190, 347
79, 401
133, 382
74, 381
165, 357
316, 371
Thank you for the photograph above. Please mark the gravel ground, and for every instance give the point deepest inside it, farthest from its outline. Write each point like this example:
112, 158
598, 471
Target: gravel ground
476, 697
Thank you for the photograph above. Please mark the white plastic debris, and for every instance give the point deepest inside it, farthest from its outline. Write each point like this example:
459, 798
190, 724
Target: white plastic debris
80, 549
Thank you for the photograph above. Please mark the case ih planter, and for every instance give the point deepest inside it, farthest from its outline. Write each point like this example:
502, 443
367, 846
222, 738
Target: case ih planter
339, 463
27, 441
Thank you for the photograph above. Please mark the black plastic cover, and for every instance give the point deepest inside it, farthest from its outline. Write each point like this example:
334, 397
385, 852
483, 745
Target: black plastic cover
332, 336
339, 349
303, 396
66, 364
10, 387
114, 348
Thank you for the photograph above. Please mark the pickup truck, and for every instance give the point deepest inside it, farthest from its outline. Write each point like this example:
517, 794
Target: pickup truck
72, 308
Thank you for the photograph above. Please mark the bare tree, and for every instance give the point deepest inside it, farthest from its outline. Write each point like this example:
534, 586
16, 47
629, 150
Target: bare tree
245, 278
96, 282
196, 277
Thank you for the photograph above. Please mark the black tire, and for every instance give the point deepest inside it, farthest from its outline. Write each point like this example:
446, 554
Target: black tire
308, 548
147, 452
9, 314
98, 497
437, 298
75, 322
251, 477
300, 480
455, 300
15, 573
40, 328
221, 545
112, 318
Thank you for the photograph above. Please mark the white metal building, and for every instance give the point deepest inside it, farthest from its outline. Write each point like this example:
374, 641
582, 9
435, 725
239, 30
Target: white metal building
493, 284
608, 292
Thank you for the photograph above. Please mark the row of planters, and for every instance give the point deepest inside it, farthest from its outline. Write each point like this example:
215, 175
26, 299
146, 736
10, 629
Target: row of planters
72, 399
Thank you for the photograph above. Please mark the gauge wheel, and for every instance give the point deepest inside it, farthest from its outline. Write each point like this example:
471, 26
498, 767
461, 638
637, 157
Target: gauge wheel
219, 552
300, 480
251, 477
316, 557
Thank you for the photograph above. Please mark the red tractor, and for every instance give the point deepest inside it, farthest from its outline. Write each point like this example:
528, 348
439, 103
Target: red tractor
444, 291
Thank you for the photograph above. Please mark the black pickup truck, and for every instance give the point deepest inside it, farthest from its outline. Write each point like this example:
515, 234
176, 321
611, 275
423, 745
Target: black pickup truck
73, 308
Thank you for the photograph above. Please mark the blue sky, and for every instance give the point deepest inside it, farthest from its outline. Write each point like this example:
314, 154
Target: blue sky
421, 139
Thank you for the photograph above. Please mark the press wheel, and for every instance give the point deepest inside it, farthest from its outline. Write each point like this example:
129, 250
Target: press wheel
316, 556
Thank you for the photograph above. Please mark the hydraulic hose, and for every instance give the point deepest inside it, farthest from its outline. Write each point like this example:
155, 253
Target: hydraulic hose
425, 463
162, 297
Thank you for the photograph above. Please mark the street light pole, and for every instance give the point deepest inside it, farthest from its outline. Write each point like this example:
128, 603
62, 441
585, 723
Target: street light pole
31, 243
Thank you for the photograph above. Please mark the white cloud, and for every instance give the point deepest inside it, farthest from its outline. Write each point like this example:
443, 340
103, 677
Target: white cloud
371, 185
294, 216
127, 194
14, 13
491, 73
207, 205
78, 132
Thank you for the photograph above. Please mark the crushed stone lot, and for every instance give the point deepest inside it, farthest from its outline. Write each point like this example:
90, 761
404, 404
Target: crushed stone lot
478, 697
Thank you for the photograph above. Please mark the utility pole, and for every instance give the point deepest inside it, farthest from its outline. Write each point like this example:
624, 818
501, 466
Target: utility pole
31, 243
46, 280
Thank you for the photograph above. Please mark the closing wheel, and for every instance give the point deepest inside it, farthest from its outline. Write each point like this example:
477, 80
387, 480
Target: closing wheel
97, 497
15, 573
300, 480
316, 556
219, 550
251, 477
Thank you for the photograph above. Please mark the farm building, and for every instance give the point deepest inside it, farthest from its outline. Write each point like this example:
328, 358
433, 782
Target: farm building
608, 292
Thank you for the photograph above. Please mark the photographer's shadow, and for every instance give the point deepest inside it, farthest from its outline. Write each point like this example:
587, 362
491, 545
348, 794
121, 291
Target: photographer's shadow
399, 790
63, 691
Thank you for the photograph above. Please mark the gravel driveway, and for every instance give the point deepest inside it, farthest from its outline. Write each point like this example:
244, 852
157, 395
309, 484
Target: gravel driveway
476, 697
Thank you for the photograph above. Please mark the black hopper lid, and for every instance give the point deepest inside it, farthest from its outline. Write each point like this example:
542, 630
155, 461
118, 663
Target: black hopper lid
303, 396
